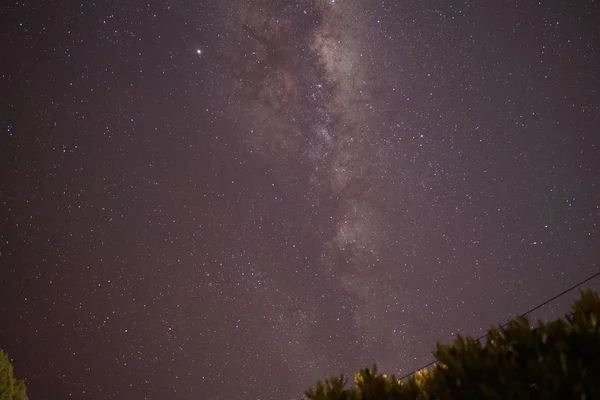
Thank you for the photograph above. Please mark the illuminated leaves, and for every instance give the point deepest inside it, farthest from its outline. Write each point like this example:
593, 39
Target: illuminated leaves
555, 360
10, 387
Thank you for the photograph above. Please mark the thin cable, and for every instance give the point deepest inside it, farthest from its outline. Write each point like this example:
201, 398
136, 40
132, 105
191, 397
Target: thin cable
522, 315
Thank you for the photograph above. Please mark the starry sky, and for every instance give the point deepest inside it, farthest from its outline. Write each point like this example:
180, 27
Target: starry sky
231, 199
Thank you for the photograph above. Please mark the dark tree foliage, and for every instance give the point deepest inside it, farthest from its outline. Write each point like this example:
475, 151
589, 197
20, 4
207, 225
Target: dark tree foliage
10, 387
554, 360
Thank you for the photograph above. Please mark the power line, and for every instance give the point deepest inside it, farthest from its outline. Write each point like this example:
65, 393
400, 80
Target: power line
522, 315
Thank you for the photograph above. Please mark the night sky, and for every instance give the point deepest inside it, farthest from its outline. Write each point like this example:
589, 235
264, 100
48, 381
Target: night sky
230, 199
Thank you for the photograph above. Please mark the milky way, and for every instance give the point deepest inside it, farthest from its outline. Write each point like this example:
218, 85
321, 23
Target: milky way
231, 199
312, 99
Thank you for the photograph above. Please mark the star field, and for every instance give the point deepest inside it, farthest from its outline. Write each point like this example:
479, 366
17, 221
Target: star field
232, 199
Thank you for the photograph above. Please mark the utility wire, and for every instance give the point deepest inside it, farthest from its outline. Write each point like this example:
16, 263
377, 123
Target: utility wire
522, 315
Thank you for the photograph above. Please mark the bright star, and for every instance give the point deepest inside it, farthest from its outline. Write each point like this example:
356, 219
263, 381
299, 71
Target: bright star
199, 51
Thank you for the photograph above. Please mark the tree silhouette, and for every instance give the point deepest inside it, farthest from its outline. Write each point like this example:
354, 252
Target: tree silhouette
10, 387
555, 360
